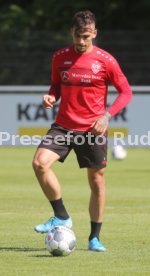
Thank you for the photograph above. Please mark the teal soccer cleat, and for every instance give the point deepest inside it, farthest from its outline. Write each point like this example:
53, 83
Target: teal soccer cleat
52, 223
96, 245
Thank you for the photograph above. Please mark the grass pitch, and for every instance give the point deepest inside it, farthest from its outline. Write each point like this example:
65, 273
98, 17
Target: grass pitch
125, 231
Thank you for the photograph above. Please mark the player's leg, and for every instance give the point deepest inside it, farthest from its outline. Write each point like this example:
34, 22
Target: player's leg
42, 162
96, 179
96, 206
93, 155
46, 155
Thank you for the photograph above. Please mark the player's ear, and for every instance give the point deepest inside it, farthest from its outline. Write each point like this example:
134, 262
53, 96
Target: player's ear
95, 33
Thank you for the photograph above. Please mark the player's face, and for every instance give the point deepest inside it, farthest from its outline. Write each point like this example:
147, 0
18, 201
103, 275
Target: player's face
83, 39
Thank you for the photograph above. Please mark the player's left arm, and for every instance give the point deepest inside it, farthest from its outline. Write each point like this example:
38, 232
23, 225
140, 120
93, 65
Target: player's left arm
100, 126
120, 82
118, 79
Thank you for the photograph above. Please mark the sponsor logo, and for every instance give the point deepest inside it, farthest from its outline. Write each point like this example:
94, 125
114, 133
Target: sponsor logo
64, 76
96, 67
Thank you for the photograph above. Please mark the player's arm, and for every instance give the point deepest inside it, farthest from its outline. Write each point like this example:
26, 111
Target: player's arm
120, 82
54, 91
118, 79
100, 126
48, 101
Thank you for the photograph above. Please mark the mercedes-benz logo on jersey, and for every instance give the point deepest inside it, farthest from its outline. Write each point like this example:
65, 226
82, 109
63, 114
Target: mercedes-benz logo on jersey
96, 67
64, 76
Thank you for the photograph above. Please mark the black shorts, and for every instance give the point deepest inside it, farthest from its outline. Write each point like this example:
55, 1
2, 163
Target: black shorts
91, 151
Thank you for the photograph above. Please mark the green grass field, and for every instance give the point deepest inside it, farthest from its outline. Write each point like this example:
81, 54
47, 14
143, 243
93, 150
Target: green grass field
125, 231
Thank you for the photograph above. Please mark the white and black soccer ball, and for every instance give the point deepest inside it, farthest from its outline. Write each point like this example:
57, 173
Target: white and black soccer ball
119, 152
61, 241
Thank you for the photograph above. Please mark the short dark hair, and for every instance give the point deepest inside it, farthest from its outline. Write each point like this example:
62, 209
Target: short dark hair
83, 18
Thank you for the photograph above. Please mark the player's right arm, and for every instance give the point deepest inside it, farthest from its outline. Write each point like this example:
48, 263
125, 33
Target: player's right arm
54, 91
48, 101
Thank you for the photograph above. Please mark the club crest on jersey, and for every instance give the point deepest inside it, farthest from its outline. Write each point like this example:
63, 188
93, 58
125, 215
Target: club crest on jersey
96, 67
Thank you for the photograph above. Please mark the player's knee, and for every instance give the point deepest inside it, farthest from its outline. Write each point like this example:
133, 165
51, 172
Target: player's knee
97, 181
96, 175
40, 163
101, 172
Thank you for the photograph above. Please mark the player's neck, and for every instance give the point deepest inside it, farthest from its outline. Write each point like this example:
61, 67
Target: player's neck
89, 49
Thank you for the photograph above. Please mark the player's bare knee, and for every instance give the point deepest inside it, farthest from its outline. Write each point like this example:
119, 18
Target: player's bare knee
40, 163
96, 180
96, 174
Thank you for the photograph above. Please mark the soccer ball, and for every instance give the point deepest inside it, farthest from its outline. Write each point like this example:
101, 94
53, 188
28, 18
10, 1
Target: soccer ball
60, 241
118, 152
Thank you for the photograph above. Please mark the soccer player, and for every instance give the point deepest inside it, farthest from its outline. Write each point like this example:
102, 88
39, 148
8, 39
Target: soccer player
80, 76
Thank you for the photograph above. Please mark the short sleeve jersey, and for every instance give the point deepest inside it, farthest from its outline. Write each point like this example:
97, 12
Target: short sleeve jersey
81, 82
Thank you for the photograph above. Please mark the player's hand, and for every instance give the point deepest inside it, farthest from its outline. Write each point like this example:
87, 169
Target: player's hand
48, 101
100, 126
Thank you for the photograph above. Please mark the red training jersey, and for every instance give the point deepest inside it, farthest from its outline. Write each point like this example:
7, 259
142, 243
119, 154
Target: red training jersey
81, 80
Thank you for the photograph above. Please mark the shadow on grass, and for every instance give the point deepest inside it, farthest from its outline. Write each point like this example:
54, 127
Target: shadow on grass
44, 256
21, 249
28, 249
50, 256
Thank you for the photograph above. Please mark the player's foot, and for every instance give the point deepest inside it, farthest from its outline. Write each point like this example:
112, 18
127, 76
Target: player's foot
51, 223
96, 245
